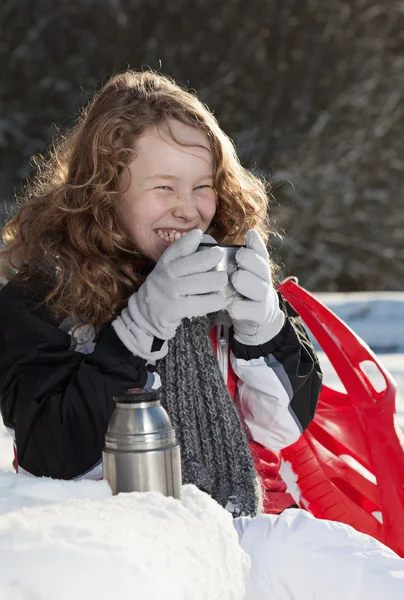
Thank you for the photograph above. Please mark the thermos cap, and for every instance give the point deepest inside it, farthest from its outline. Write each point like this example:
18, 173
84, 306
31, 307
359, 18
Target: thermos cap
136, 395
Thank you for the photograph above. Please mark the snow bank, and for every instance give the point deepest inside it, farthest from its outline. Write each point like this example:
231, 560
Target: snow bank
69, 540
377, 317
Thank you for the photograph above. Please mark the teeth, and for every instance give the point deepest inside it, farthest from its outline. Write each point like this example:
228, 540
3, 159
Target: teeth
170, 237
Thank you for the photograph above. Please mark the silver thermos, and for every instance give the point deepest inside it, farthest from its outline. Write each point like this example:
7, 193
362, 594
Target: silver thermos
141, 453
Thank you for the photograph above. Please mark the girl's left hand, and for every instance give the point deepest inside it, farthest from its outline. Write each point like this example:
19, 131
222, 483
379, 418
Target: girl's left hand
257, 318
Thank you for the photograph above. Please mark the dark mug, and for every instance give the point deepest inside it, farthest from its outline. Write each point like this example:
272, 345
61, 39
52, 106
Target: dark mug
228, 263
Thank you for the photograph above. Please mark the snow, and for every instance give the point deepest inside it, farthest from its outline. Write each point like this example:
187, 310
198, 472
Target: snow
74, 539
378, 317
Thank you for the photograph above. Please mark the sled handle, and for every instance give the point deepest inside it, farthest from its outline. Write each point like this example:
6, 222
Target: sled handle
344, 348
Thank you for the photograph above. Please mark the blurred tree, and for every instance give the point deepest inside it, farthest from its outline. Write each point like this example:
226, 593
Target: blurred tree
312, 93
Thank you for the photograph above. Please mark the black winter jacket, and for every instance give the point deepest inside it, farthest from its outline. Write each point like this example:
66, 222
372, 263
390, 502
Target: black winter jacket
57, 397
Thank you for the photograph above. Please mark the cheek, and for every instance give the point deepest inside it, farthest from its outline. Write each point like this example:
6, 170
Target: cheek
132, 211
128, 219
211, 208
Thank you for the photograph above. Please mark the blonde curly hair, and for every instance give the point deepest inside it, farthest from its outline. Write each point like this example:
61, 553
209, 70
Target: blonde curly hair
66, 230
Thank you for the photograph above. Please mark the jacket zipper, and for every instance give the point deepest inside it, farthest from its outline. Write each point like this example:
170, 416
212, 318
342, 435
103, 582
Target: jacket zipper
223, 350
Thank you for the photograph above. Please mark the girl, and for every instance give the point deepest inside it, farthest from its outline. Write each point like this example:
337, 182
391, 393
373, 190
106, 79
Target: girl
109, 293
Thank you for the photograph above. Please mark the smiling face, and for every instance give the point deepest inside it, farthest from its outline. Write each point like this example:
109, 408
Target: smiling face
167, 189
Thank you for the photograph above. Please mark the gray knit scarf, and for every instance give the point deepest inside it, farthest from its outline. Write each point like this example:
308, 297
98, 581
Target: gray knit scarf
214, 449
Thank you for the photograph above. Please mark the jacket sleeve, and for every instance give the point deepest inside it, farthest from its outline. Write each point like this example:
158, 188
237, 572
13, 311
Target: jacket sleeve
279, 383
56, 399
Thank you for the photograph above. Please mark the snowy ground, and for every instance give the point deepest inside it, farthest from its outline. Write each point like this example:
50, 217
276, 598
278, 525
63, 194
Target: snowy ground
73, 540
148, 546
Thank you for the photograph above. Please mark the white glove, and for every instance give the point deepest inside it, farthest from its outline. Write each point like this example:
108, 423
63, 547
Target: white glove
257, 318
180, 285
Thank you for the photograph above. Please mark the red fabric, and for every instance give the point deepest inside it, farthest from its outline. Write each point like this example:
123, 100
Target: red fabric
15, 461
267, 462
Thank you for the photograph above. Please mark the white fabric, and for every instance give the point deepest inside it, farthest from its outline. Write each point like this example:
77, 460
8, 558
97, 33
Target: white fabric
265, 404
180, 285
95, 473
257, 318
297, 557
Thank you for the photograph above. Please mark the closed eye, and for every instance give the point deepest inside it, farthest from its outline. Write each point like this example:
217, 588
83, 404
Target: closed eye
164, 187
200, 187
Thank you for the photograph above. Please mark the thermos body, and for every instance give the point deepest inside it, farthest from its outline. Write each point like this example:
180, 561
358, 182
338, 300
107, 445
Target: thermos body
141, 452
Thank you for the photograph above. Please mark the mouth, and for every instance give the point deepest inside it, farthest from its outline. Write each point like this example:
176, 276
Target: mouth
171, 235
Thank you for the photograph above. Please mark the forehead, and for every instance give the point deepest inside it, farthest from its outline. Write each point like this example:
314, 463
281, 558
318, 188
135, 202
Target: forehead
173, 145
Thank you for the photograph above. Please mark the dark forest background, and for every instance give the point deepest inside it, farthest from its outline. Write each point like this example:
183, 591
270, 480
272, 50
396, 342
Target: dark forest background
311, 91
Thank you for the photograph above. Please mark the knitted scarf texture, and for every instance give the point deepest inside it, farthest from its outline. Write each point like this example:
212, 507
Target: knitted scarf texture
214, 448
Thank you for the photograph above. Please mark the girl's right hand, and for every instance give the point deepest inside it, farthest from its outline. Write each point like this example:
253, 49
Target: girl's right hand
180, 285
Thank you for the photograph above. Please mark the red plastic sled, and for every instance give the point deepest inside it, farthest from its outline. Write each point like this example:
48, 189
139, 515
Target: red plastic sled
350, 462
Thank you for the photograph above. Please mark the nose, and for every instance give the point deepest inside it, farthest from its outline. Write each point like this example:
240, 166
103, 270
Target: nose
184, 209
